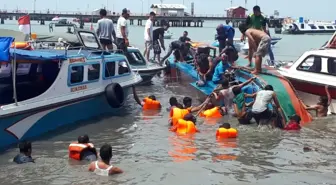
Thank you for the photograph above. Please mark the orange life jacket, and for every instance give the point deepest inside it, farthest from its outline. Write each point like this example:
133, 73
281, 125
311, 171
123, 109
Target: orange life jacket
185, 127
76, 149
226, 133
151, 104
177, 113
21, 45
212, 113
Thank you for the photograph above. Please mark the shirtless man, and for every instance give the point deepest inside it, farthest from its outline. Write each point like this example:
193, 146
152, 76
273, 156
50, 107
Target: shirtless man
321, 107
259, 43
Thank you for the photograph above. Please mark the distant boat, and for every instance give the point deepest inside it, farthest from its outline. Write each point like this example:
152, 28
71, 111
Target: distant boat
168, 35
308, 27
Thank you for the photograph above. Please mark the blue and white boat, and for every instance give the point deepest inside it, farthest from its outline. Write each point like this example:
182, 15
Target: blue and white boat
61, 88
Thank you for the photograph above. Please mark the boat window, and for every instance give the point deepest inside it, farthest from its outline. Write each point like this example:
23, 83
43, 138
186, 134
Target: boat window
123, 68
332, 66
93, 72
321, 27
135, 58
109, 69
335, 27
302, 26
330, 27
311, 64
77, 74
89, 40
312, 26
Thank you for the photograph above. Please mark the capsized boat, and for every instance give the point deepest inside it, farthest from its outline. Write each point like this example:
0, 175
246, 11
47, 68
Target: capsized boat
311, 72
62, 87
289, 101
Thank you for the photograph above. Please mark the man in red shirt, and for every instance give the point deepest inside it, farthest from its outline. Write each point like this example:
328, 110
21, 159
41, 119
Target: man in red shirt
294, 123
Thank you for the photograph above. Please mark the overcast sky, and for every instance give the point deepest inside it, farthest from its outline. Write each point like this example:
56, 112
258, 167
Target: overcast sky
314, 10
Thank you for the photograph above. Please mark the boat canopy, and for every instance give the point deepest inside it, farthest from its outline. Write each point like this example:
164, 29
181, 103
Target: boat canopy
37, 55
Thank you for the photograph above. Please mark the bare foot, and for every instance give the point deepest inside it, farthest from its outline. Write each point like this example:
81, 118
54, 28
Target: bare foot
255, 72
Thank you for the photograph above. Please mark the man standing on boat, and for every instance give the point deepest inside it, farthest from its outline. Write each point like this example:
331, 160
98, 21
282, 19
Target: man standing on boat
158, 36
149, 35
122, 31
105, 31
225, 35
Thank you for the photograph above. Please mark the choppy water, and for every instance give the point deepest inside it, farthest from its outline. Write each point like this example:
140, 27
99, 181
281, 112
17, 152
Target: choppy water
151, 155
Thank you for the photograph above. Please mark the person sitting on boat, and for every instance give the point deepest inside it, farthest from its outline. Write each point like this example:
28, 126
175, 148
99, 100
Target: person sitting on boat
225, 131
321, 107
103, 167
204, 65
158, 39
184, 37
240, 107
148, 103
259, 43
225, 35
83, 149
260, 109
187, 125
25, 153
294, 123
227, 95
220, 69
180, 49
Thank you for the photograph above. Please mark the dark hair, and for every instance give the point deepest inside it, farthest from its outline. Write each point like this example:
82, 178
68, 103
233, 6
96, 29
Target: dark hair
256, 8
105, 152
83, 139
152, 97
103, 12
180, 106
269, 88
190, 117
152, 14
236, 90
323, 101
173, 101
185, 32
225, 125
164, 23
187, 101
295, 118
25, 146
242, 28
224, 82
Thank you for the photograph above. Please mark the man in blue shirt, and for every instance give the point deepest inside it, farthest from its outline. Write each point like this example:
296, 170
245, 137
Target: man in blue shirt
225, 35
25, 153
220, 69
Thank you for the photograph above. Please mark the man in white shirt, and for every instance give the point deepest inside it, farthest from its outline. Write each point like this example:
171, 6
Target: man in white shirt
148, 34
122, 31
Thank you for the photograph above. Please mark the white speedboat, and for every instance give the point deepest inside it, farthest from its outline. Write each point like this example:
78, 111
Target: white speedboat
168, 35
309, 27
73, 84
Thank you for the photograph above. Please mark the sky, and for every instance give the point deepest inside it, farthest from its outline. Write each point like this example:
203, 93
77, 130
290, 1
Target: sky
310, 9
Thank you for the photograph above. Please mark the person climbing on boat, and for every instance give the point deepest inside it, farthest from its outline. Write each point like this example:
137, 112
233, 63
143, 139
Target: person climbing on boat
186, 125
103, 167
225, 35
148, 103
181, 49
227, 95
148, 35
321, 107
83, 149
105, 31
260, 110
294, 123
158, 39
204, 65
225, 131
184, 37
240, 106
259, 43
25, 153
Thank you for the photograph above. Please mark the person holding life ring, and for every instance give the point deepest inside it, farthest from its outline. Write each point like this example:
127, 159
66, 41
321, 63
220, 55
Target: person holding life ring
148, 103
225, 131
187, 125
83, 149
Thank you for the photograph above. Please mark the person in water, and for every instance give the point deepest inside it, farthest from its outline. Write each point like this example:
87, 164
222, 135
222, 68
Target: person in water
227, 95
187, 125
321, 107
25, 153
83, 149
103, 167
180, 50
225, 131
184, 37
225, 35
174, 103
204, 65
148, 103
294, 123
240, 107
259, 43
260, 109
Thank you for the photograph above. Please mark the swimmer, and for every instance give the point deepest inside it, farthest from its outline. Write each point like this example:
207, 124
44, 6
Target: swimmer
103, 167
83, 149
187, 125
321, 107
174, 103
294, 123
25, 153
225, 131
149, 103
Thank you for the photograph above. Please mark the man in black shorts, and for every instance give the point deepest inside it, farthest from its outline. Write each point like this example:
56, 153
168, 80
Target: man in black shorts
105, 31
158, 39
181, 49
